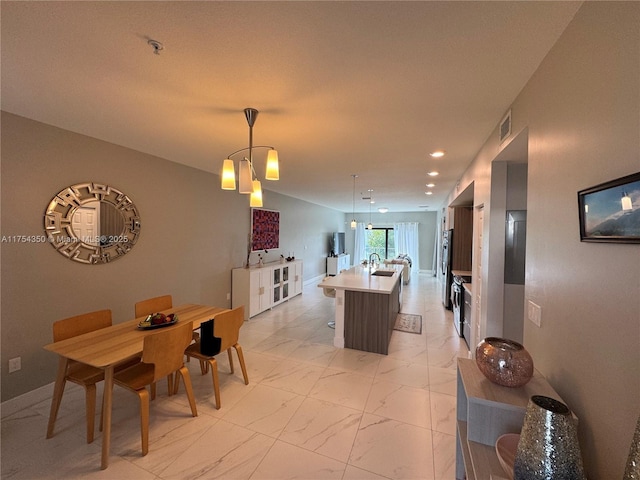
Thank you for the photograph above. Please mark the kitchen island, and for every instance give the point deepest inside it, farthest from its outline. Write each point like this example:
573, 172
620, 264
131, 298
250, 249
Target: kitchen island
367, 303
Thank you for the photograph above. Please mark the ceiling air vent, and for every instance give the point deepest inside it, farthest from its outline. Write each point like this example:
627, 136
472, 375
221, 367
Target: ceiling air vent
505, 127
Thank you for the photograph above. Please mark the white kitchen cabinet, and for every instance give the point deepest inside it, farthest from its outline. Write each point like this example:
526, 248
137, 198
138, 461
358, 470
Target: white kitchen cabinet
337, 264
261, 288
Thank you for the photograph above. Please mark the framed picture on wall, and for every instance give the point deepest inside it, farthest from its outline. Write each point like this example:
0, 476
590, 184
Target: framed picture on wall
610, 212
265, 229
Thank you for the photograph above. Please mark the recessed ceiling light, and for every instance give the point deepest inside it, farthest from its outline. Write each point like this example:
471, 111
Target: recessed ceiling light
432, 174
431, 185
437, 154
383, 209
428, 193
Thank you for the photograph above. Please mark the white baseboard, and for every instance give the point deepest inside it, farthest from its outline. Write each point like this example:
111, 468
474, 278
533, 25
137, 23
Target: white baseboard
28, 399
313, 282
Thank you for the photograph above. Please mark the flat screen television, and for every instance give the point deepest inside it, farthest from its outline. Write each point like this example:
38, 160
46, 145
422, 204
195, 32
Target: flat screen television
337, 244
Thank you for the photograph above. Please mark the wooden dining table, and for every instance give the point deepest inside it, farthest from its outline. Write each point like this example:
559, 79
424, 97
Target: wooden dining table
108, 347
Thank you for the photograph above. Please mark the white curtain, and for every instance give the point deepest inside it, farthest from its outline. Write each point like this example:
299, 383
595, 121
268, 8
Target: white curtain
406, 239
359, 248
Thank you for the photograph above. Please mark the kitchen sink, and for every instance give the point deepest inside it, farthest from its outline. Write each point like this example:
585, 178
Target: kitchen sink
384, 273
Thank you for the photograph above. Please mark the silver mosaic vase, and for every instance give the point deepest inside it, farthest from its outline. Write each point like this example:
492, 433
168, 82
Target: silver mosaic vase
632, 470
548, 448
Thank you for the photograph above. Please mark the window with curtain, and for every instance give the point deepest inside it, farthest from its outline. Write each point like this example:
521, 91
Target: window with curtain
406, 242
387, 242
380, 240
360, 245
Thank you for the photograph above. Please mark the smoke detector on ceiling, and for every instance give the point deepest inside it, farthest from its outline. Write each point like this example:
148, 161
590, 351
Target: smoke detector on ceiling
156, 45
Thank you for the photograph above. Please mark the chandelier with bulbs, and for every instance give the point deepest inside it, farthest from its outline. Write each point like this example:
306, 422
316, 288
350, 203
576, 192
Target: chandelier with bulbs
247, 181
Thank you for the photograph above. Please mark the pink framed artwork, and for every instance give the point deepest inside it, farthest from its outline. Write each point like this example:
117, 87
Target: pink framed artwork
265, 229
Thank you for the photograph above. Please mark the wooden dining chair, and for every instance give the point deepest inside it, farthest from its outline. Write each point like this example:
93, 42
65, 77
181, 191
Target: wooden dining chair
153, 305
162, 356
147, 307
217, 335
77, 372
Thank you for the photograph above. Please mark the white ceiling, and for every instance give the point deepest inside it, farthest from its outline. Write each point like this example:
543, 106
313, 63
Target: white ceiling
343, 87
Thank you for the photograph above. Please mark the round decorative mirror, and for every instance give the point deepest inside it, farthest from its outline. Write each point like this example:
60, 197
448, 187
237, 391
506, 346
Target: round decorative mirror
92, 223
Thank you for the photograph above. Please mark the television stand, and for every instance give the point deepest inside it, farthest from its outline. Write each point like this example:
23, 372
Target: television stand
336, 264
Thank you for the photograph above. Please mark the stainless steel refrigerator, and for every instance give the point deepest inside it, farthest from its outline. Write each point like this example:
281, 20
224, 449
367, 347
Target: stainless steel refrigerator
446, 277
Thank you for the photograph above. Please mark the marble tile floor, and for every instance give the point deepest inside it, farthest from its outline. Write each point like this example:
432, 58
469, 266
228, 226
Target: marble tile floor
310, 411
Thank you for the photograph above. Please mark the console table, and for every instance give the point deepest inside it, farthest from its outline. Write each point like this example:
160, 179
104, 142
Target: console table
485, 411
337, 264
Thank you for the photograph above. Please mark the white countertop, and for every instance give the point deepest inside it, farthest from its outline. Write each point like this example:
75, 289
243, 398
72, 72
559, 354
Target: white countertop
461, 273
359, 279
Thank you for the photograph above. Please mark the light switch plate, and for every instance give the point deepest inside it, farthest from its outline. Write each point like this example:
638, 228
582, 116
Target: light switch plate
534, 313
15, 364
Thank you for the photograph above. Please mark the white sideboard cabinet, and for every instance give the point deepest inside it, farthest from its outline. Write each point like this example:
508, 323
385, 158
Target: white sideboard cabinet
262, 288
297, 277
336, 264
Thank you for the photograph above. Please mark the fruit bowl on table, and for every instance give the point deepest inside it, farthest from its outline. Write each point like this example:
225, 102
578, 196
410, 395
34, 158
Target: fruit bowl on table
157, 320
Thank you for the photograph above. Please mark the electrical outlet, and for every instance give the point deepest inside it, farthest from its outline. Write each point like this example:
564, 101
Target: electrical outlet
534, 313
228, 296
15, 364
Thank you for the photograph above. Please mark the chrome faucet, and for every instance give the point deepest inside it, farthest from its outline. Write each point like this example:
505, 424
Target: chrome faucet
371, 259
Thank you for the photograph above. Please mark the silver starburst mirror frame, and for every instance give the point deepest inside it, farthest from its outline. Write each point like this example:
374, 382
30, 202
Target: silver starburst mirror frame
92, 223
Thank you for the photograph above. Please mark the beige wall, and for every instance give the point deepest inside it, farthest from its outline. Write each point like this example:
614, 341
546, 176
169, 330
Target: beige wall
581, 115
192, 234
